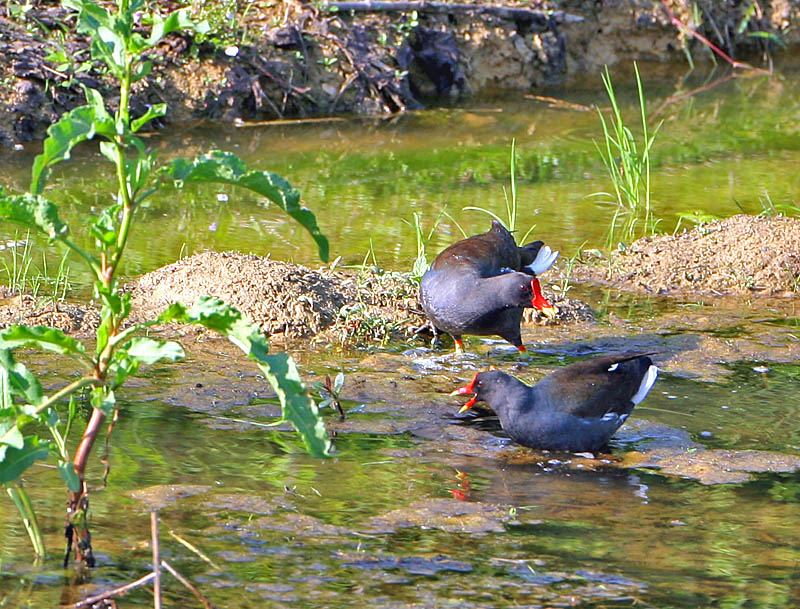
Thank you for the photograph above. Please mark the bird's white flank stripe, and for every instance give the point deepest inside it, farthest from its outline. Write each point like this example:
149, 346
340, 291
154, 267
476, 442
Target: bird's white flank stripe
647, 382
613, 367
544, 260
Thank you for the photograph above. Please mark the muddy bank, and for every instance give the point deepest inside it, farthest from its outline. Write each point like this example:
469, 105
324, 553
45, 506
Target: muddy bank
742, 255
294, 59
291, 302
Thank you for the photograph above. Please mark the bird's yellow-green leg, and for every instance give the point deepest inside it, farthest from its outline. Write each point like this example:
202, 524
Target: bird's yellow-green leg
459, 346
523, 353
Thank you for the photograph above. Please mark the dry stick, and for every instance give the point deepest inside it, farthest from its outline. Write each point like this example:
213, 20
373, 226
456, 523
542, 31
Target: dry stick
197, 551
208, 604
447, 7
687, 30
88, 602
679, 96
561, 103
156, 560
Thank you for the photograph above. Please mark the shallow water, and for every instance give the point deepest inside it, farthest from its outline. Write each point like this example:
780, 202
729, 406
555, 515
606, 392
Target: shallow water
382, 523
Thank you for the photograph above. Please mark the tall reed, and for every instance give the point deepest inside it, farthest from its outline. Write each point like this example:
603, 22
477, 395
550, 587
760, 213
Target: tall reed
627, 160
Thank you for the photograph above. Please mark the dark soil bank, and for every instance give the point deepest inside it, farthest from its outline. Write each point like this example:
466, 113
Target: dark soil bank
303, 59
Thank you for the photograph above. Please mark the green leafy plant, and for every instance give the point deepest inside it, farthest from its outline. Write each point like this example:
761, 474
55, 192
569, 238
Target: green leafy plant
119, 351
696, 217
564, 285
628, 164
421, 265
330, 392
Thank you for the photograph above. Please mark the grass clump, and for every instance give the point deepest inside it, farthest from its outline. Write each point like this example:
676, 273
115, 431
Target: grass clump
627, 160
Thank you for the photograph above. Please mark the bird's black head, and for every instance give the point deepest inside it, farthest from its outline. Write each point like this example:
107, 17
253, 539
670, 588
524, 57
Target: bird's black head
515, 290
483, 387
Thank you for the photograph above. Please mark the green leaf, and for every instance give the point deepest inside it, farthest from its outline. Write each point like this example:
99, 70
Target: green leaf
149, 351
11, 435
179, 20
69, 475
71, 129
152, 112
140, 71
338, 383
34, 212
223, 167
121, 368
280, 369
17, 460
18, 380
108, 34
297, 406
103, 121
49, 339
103, 399
103, 228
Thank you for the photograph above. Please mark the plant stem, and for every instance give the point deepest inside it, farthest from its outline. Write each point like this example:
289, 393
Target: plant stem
20, 498
65, 391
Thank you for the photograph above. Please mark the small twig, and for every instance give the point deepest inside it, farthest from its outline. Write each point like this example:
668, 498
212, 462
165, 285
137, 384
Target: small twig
293, 121
560, 103
208, 604
182, 541
88, 602
679, 96
56, 72
156, 560
104, 459
691, 32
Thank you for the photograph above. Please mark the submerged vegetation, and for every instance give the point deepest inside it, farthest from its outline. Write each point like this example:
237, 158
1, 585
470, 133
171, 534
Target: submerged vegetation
120, 348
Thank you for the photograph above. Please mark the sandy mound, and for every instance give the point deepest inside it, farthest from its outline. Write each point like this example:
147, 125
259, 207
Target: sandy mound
739, 255
290, 301
285, 299
24, 309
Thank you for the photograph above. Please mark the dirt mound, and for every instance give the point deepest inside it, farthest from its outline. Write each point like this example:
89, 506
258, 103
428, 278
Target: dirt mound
26, 310
289, 301
739, 255
285, 299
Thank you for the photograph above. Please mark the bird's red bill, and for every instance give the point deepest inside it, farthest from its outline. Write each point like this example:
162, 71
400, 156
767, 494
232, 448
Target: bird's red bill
539, 301
466, 390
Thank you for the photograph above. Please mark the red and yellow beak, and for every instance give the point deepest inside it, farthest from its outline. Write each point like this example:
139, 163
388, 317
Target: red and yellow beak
466, 390
539, 301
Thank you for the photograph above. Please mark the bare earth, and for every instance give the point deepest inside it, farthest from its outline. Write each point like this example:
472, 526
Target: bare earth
289, 301
741, 255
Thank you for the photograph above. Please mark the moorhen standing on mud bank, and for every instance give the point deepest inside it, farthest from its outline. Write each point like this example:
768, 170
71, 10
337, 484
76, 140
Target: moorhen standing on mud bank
575, 409
481, 284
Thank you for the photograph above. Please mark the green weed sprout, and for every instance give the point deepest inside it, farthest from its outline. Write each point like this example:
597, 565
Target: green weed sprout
628, 164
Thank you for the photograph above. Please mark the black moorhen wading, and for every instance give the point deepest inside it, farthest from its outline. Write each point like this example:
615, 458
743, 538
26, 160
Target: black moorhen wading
575, 409
481, 284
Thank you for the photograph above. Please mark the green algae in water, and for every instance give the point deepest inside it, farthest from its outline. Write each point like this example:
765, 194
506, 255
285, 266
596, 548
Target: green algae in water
717, 152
